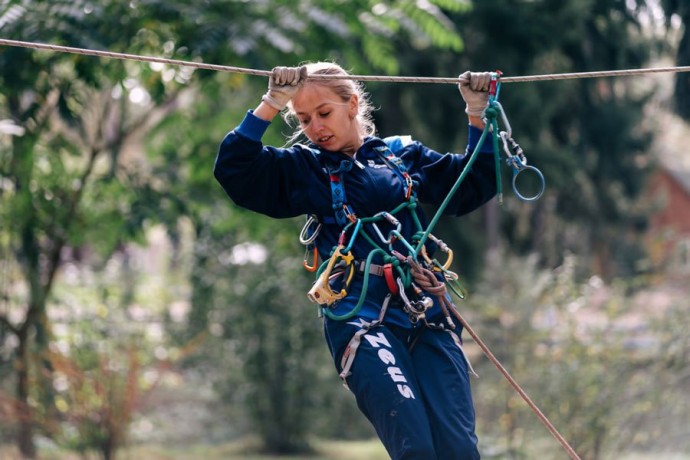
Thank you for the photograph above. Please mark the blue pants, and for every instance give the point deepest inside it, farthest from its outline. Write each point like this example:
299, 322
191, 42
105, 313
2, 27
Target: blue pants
413, 386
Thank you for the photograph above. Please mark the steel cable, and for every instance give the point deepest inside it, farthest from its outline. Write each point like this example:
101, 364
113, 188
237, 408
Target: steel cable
374, 78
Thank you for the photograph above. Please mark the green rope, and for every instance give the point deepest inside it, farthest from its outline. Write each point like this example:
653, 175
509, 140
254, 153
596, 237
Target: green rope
491, 124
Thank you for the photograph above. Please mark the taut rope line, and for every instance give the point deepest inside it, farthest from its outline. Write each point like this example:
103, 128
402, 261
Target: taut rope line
379, 78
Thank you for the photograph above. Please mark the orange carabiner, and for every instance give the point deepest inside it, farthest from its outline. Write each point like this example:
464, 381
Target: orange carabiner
314, 263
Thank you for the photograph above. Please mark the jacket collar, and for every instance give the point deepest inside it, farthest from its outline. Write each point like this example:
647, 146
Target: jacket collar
366, 150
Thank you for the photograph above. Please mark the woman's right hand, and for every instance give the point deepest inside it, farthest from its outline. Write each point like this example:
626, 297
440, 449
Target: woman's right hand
283, 84
474, 88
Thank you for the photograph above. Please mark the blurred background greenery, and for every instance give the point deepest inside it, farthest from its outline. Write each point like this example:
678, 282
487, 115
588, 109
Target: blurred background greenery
143, 315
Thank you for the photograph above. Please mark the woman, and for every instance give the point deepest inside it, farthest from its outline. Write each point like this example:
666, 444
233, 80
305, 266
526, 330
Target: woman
404, 364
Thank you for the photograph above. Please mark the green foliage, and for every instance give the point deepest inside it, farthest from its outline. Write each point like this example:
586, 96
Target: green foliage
98, 401
77, 186
583, 353
277, 346
74, 130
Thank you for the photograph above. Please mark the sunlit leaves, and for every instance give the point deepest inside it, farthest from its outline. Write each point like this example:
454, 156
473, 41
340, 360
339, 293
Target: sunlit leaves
427, 21
379, 53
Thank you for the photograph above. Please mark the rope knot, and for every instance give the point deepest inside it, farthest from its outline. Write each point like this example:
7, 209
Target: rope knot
426, 280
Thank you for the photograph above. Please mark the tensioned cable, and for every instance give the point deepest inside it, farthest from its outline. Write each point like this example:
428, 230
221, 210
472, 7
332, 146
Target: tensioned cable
379, 78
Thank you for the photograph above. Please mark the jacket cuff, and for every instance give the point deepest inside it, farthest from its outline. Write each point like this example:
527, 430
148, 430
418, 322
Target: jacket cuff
474, 135
252, 127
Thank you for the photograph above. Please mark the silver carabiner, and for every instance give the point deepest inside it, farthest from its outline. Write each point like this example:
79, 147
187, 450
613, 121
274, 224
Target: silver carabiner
392, 220
304, 236
508, 129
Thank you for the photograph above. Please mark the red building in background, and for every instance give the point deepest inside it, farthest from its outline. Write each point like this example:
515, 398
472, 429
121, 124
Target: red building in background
669, 191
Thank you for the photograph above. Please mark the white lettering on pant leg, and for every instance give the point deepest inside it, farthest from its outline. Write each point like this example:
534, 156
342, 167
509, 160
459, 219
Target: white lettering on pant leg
396, 374
377, 340
406, 391
387, 357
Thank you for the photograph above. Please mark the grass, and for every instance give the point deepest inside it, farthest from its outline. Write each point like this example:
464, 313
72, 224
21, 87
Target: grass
239, 450
246, 450
325, 450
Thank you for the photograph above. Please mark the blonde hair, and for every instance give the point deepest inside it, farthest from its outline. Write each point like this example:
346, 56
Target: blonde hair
344, 88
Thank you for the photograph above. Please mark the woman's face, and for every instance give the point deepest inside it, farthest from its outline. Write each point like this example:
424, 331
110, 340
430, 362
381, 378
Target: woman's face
326, 120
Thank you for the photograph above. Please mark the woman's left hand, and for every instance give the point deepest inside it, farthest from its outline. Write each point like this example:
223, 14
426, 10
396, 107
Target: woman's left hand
283, 85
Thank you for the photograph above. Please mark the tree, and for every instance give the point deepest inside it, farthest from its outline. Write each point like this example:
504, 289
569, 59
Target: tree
66, 186
572, 348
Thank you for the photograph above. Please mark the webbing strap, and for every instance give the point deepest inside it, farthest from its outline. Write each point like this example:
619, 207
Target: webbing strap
396, 164
341, 209
350, 352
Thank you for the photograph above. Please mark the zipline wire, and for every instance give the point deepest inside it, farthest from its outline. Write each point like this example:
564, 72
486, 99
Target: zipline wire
375, 78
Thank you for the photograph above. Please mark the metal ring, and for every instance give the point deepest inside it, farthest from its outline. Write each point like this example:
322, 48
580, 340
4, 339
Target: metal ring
516, 173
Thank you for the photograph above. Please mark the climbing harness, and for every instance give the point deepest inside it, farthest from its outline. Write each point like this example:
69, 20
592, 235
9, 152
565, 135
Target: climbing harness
342, 210
398, 269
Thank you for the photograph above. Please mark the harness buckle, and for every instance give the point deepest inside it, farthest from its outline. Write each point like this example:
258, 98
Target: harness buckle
410, 185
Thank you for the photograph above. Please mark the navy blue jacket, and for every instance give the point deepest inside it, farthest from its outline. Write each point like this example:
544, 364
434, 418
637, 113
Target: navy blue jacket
288, 182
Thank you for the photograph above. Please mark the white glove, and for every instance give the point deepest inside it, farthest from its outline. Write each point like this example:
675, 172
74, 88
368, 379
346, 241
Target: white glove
283, 84
474, 88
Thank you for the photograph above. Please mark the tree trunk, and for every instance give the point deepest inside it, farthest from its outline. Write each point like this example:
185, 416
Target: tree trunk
25, 435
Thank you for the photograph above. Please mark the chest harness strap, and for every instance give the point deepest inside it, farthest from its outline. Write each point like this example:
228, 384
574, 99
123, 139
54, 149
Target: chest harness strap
342, 210
396, 164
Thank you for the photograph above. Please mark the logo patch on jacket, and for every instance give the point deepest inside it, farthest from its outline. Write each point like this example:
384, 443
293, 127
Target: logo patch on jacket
373, 164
